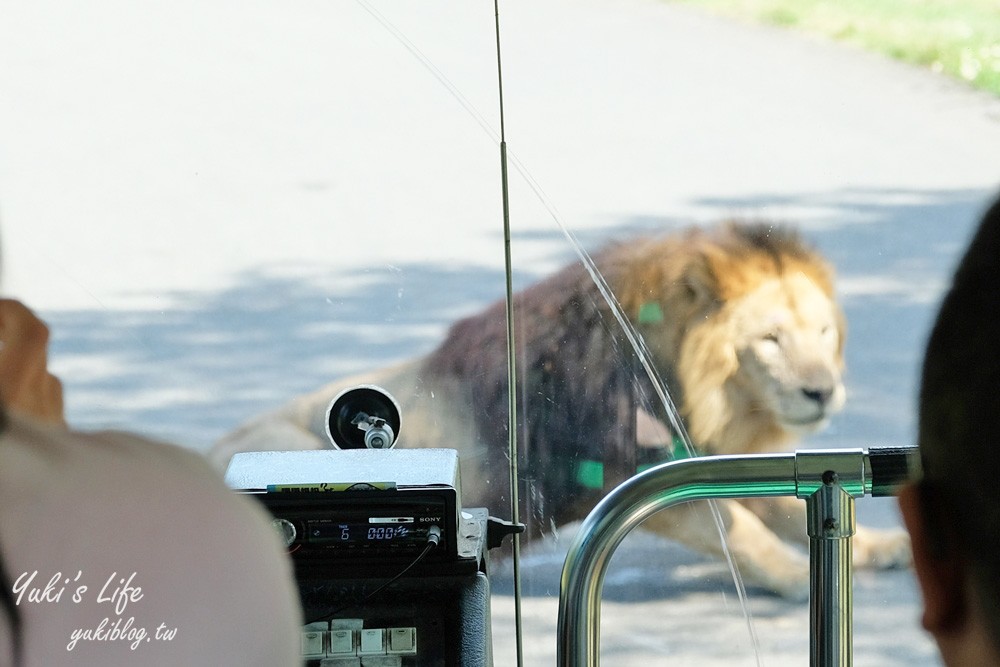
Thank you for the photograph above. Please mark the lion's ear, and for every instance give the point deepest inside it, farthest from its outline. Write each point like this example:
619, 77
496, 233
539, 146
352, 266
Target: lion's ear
700, 283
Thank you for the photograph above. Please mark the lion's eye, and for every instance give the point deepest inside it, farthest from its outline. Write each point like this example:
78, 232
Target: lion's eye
770, 337
829, 334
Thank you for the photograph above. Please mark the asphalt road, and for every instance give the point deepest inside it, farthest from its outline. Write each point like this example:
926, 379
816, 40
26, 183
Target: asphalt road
219, 205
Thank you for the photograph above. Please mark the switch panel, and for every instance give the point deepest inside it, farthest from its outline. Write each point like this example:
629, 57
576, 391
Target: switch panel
347, 643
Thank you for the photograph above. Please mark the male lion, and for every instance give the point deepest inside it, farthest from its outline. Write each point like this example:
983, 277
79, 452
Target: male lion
740, 321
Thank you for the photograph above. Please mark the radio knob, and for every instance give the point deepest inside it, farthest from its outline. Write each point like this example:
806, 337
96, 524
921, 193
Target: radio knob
286, 531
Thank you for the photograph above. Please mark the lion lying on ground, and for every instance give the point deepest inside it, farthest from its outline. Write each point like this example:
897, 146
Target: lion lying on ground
740, 322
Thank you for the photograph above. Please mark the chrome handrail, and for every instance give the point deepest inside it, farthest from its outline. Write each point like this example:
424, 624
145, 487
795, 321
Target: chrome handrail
829, 480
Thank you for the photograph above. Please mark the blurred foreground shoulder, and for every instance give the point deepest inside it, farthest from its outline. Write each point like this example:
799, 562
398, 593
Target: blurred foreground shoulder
115, 510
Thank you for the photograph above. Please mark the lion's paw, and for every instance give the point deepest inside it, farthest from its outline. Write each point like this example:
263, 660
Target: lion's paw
794, 587
790, 580
882, 549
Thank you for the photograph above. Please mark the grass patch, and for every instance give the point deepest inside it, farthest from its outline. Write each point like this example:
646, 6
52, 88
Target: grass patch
960, 38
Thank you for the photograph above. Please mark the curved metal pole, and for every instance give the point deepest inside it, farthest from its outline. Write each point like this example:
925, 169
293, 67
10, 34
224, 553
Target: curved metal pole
828, 480
629, 505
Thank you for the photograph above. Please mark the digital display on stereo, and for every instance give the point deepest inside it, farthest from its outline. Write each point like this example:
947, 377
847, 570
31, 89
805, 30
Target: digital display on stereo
333, 532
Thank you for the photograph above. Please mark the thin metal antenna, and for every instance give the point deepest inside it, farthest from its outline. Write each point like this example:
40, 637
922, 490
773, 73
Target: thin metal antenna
512, 448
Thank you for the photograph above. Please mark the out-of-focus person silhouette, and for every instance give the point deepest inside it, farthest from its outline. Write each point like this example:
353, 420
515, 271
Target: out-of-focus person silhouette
116, 550
953, 510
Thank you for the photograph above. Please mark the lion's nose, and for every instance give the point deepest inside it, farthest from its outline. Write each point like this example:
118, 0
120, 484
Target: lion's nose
819, 395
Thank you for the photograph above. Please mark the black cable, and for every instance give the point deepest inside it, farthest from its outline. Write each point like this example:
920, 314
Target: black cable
433, 539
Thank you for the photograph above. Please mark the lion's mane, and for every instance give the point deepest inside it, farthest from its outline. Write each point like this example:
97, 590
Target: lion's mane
579, 381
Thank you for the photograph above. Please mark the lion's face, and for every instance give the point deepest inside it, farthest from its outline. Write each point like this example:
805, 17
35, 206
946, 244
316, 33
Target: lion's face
788, 337
760, 354
750, 330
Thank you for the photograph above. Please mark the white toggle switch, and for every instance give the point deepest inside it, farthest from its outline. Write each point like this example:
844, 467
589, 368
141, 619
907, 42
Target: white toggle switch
342, 643
312, 644
402, 641
372, 641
